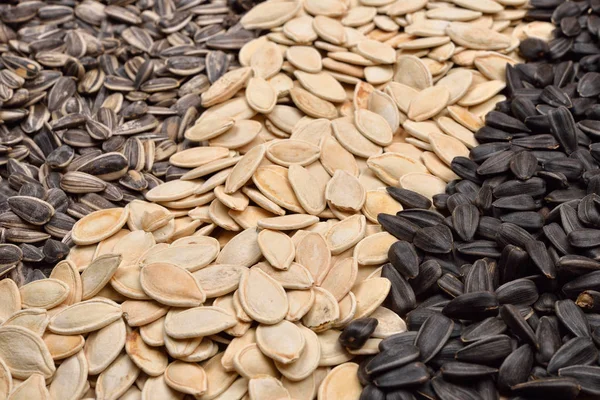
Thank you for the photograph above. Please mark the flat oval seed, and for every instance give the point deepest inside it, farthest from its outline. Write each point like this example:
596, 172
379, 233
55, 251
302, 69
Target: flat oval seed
104, 346
10, 299
61, 346
186, 378
45, 293
151, 360
313, 253
191, 257
98, 274
84, 317
199, 322
99, 225
345, 191
180, 290
447, 147
219, 279
323, 313
251, 363
306, 188
345, 234
288, 152
341, 277
389, 167
305, 58
32, 388
341, 383
288, 222
373, 126
283, 342
373, 249
262, 297
33, 357
277, 248
197, 156
117, 378
260, 95
308, 361
70, 379
425, 184
267, 388
370, 294
428, 103
273, 182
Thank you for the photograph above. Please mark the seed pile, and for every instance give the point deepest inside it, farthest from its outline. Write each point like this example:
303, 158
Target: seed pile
94, 99
399, 58
499, 283
127, 313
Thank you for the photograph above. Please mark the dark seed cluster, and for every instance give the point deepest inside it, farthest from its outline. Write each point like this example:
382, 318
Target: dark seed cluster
499, 281
95, 96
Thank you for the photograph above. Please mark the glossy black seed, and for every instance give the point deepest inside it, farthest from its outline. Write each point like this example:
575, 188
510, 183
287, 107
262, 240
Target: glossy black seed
428, 274
434, 239
555, 97
516, 367
523, 165
587, 376
577, 351
518, 291
534, 49
491, 326
449, 390
433, 335
549, 388
404, 258
401, 298
400, 395
399, 227
472, 306
408, 198
489, 351
357, 332
572, 318
538, 253
408, 375
465, 220
562, 126
398, 339
392, 358
517, 324
372, 392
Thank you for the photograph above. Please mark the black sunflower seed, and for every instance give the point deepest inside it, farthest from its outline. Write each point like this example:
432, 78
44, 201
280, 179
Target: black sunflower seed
433, 335
465, 219
577, 351
549, 388
587, 376
571, 316
404, 258
357, 332
434, 239
408, 375
401, 298
491, 326
517, 324
472, 306
488, 351
408, 198
392, 358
